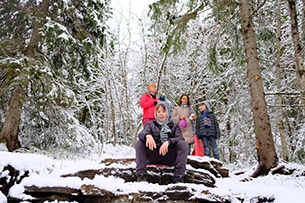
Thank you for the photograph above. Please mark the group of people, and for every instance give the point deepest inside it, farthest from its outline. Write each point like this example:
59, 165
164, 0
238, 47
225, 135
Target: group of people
166, 138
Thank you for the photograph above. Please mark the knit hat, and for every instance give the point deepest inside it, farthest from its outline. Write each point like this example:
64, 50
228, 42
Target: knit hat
207, 104
151, 85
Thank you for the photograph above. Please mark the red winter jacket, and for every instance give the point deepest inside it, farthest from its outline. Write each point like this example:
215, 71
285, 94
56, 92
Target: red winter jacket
147, 102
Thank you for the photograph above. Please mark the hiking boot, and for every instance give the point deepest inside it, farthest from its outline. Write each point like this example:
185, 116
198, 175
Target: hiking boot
178, 179
142, 177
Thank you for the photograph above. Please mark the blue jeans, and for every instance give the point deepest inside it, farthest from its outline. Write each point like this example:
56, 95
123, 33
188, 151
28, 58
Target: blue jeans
210, 140
189, 152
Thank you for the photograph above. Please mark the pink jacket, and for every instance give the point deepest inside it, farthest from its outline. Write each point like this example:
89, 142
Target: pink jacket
147, 102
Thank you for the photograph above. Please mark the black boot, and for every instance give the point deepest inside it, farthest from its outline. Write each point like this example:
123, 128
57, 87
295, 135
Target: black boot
142, 177
178, 179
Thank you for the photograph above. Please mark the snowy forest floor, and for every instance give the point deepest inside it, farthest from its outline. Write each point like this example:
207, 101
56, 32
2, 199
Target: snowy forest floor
46, 170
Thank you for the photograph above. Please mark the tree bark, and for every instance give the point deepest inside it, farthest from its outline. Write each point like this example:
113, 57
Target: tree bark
298, 48
267, 157
303, 21
10, 130
279, 87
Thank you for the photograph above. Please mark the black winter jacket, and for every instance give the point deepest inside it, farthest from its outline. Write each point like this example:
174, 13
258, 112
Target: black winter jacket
153, 128
201, 130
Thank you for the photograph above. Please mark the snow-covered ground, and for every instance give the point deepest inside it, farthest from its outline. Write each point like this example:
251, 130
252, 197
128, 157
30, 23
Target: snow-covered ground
46, 171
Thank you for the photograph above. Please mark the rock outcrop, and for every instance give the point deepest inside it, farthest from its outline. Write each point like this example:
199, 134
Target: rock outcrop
199, 171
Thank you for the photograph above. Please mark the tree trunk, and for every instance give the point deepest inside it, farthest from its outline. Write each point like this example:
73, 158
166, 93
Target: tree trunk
303, 21
113, 124
279, 87
9, 132
298, 48
267, 157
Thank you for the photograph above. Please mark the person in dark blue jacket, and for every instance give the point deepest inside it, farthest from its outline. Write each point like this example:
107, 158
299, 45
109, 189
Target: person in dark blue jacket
207, 129
161, 142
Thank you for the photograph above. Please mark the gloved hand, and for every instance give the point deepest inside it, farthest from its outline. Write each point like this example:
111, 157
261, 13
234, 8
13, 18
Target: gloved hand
162, 98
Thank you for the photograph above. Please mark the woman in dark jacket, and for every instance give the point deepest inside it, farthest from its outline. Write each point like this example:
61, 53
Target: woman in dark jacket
207, 129
161, 142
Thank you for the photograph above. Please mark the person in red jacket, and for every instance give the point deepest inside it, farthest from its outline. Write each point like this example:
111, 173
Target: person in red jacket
148, 103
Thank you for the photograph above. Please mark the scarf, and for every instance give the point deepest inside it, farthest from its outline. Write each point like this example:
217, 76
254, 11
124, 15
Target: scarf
183, 105
164, 130
206, 119
153, 96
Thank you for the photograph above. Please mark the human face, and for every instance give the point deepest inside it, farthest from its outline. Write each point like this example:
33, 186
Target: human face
202, 107
184, 100
152, 90
161, 113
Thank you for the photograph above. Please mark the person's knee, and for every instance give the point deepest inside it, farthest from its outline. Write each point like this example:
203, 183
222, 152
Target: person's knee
207, 151
183, 145
140, 144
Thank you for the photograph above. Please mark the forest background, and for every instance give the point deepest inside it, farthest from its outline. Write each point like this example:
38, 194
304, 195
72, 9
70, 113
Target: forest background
71, 77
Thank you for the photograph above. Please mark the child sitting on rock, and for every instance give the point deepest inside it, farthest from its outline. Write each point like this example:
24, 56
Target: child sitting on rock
161, 142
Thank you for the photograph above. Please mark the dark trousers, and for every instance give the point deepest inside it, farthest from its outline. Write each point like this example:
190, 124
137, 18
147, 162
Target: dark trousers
176, 156
206, 140
189, 152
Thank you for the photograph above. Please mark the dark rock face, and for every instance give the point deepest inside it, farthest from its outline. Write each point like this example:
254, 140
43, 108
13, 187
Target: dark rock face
90, 193
13, 177
160, 175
